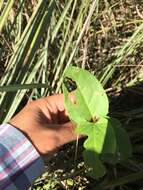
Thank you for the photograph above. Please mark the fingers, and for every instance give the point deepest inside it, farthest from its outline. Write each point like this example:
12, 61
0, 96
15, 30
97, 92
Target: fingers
56, 107
58, 100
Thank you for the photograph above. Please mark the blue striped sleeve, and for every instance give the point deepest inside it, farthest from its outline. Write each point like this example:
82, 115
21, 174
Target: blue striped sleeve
20, 163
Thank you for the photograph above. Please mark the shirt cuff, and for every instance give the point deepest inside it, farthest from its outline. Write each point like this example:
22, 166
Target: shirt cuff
20, 163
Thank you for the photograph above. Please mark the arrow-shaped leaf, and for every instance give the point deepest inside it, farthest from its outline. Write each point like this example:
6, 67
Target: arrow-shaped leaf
89, 112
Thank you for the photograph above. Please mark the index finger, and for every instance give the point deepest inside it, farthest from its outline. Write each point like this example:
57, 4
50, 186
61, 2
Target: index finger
56, 106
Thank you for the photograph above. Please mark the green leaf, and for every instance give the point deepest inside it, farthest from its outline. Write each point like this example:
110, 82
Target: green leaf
91, 99
101, 140
16, 87
88, 112
101, 136
124, 148
97, 169
105, 138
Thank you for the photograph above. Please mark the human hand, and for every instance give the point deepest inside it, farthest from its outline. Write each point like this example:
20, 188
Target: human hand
45, 122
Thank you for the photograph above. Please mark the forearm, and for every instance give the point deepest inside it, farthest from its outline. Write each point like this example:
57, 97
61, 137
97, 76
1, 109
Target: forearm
20, 163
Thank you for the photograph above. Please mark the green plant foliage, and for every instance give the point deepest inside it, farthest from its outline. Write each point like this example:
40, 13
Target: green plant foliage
123, 144
89, 113
5, 13
89, 93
